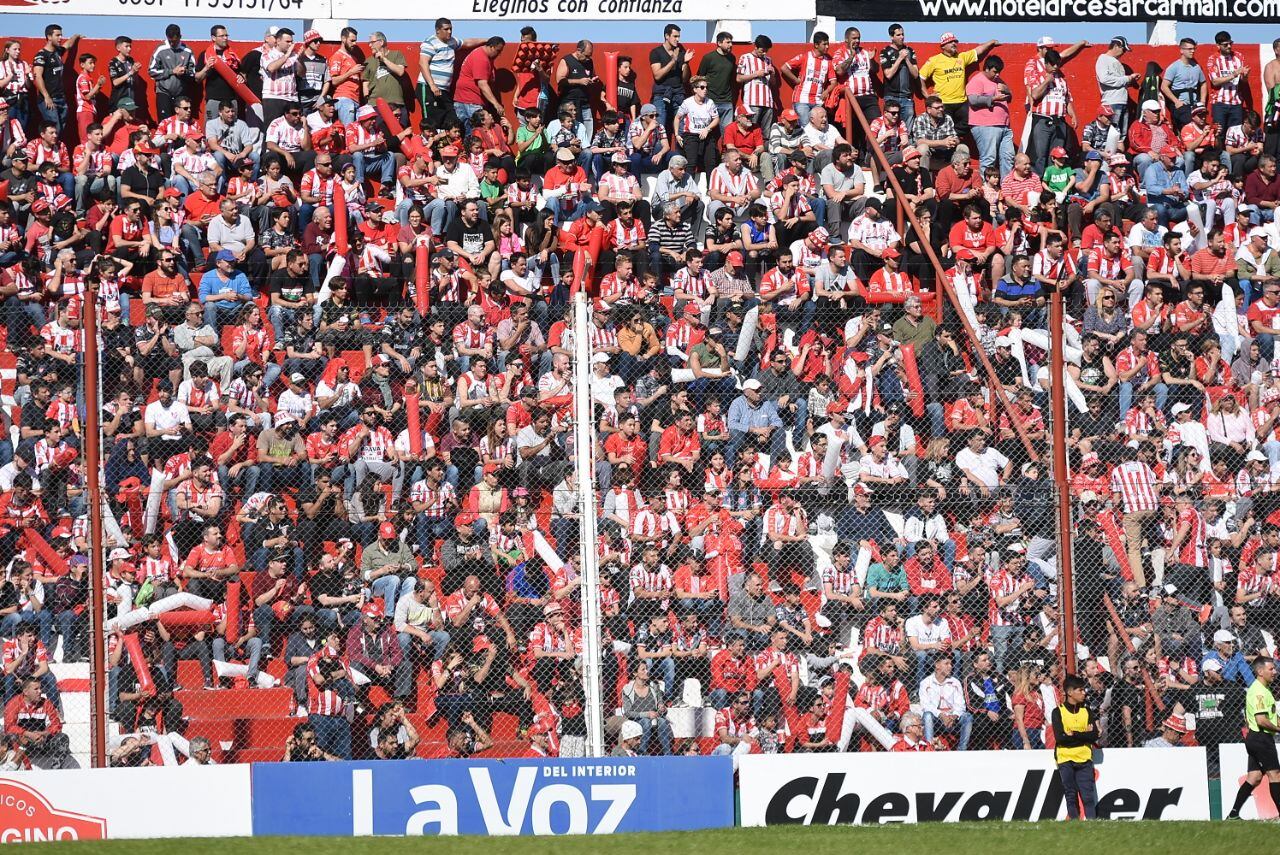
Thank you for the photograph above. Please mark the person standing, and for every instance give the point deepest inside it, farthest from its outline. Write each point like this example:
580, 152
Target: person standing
1271, 102
217, 91
945, 72
758, 78
1226, 71
172, 67
1184, 84
812, 76
1114, 82
669, 63
1074, 733
719, 68
575, 77
49, 66
346, 67
437, 64
383, 72
900, 70
1260, 740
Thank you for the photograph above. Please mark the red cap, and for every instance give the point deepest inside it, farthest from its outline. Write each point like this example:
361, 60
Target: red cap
373, 609
147, 148
875, 440
39, 205
890, 252
465, 518
1105, 110
449, 151
911, 154
734, 258
692, 310
387, 531
1169, 151
480, 642
790, 115
947, 38
964, 253
1057, 151
490, 468
311, 36
381, 359
194, 134
172, 193
835, 407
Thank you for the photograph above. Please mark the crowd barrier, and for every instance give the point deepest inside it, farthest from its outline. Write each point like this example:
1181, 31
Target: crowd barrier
831, 789
597, 796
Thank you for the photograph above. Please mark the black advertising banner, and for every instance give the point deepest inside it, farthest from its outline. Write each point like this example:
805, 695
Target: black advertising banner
1202, 11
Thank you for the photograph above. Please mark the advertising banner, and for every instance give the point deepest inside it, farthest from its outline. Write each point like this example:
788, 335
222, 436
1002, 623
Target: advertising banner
269, 11
678, 11
1148, 11
97, 804
1234, 763
871, 789
494, 797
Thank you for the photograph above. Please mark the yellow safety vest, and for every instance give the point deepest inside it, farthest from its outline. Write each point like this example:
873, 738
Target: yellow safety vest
1073, 722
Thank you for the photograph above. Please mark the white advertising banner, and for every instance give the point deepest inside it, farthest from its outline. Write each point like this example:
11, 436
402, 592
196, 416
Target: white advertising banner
873, 789
99, 804
1234, 763
673, 11
269, 11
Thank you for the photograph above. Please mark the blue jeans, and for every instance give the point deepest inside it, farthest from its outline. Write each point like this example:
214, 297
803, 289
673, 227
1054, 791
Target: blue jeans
995, 145
667, 99
1004, 640
1077, 780
906, 104
803, 111
251, 652
41, 620
464, 112
963, 726
651, 728
48, 685
665, 670
57, 115
346, 109
384, 162
333, 734
390, 588
1126, 396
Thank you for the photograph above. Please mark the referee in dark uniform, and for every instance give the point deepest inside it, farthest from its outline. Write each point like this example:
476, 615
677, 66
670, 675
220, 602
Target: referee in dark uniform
1260, 741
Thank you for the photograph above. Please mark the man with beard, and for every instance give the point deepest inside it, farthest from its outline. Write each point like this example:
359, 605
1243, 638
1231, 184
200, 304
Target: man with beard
987, 692
282, 456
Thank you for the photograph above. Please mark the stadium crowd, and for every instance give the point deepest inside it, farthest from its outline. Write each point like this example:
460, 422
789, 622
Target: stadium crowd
821, 481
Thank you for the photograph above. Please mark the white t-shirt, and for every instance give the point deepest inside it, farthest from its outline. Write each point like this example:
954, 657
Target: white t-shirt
167, 419
986, 467
927, 633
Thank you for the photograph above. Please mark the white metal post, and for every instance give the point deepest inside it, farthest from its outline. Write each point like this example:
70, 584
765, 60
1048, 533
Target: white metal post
588, 566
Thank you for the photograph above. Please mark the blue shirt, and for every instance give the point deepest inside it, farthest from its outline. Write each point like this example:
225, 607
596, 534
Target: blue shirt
1157, 179
743, 416
213, 283
1184, 76
1235, 669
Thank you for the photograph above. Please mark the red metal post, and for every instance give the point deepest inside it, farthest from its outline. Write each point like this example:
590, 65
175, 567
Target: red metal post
1058, 409
93, 468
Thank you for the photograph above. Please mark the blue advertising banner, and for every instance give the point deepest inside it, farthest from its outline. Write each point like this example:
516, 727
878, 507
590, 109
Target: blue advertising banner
493, 797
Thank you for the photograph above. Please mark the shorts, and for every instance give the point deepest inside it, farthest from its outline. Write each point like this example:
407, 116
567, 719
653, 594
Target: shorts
1261, 750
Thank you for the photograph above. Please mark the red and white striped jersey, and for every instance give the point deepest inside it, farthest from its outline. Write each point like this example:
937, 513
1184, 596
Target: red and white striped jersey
196, 495
99, 160
20, 72
795, 283
282, 83
889, 287
785, 209
437, 499
808, 186
664, 526
419, 193
814, 73
11, 654
194, 162
698, 285
1219, 66
62, 340
756, 92
1193, 550
778, 520
157, 570
624, 289
841, 581
195, 395
544, 637
1055, 100
466, 335
170, 127
285, 135
619, 186
1121, 187
517, 196
739, 728
61, 412
650, 581
1107, 267
1002, 583
1050, 268
1137, 422
602, 337
771, 658
377, 445
622, 235
323, 700
876, 234
313, 184
727, 184
882, 635
1135, 482
40, 153
358, 134
858, 77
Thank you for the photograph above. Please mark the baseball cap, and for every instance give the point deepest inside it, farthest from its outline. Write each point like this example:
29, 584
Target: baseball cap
1004, 341
790, 115
1223, 636
734, 258
1088, 496
551, 609
194, 134
381, 359
1256, 455
1199, 108
820, 234
117, 554
890, 252
1211, 664
619, 157
1105, 110
1120, 41
1176, 723
564, 155
1168, 151
4, 104
225, 255
311, 36
1179, 408
373, 609
283, 418
1045, 41
1151, 105
911, 154
1057, 151
751, 384
964, 254
449, 151
875, 440
127, 104
947, 38
365, 112
297, 377
1259, 231
465, 518
648, 110
746, 111
387, 530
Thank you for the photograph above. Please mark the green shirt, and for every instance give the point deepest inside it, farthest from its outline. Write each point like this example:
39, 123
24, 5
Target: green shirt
489, 192
1258, 700
883, 579
1056, 178
539, 143
382, 83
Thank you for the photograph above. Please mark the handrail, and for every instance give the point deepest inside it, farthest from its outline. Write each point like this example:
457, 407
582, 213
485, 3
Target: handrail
944, 284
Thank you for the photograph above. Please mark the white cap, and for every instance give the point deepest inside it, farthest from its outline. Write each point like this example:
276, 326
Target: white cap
1045, 41
1259, 231
298, 377
1179, 408
1256, 455
117, 553
751, 384
1015, 547
1222, 636
1211, 664
630, 730
599, 357
1088, 496
1151, 105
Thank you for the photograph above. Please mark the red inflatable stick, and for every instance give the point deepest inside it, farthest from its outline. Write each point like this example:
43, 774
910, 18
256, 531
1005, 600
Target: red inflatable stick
1112, 533
422, 278
340, 244
141, 669
835, 716
389, 118
52, 561
243, 92
413, 415
912, 371
610, 78
232, 633
792, 715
